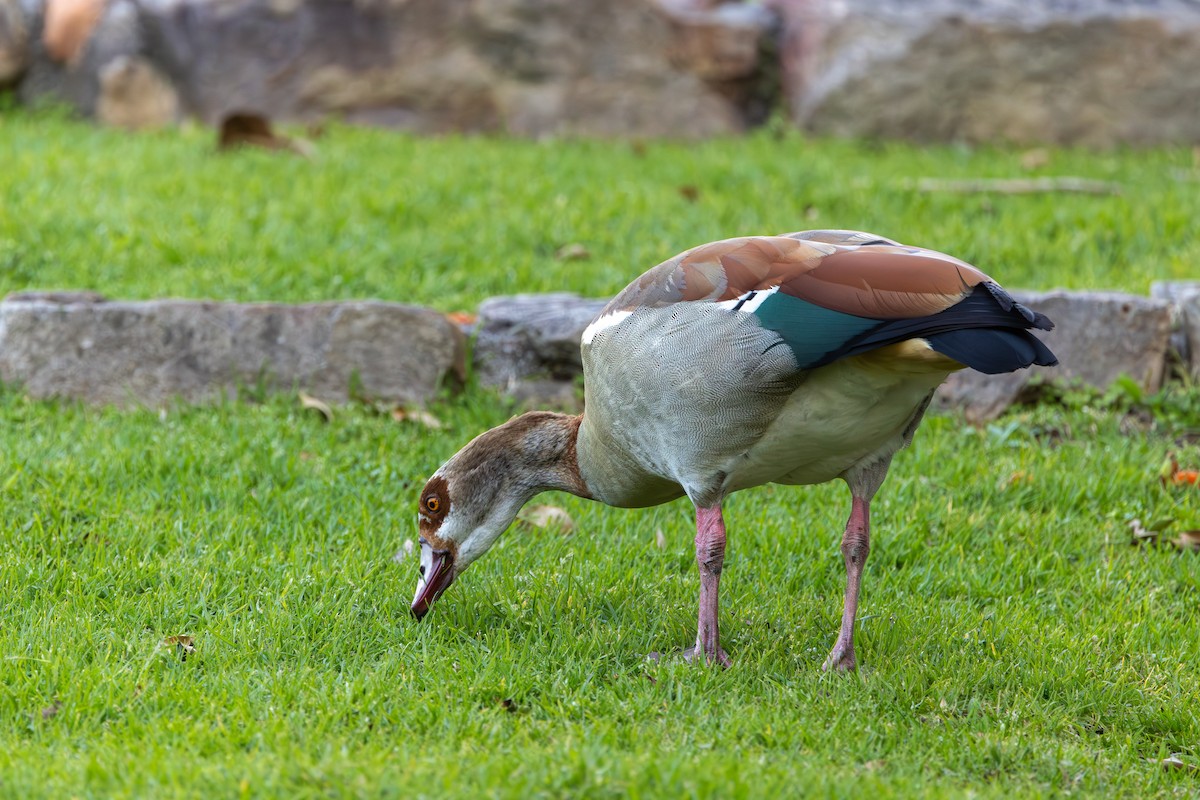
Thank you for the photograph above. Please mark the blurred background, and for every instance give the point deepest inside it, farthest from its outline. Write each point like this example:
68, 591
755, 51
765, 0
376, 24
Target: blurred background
1091, 72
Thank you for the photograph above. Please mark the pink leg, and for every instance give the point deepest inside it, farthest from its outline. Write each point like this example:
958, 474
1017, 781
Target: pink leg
856, 544
710, 555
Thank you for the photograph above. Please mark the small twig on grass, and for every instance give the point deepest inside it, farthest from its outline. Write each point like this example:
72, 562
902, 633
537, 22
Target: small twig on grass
1020, 185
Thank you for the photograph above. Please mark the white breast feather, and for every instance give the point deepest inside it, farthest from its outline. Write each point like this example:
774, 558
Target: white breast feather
609, 320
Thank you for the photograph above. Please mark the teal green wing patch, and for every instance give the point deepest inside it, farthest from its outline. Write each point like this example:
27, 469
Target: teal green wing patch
811, 331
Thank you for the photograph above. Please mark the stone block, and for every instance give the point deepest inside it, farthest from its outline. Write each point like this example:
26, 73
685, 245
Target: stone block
528, 345
1098, 337
1090, 72
152, 353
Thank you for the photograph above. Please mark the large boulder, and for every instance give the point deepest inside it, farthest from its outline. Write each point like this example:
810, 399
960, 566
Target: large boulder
151, 353
1095, 72
1098, 338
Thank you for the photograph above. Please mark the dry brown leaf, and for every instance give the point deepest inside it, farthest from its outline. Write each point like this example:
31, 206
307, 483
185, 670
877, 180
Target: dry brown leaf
1148, 533
1188, 540
307, 401
253, 130
1139, 535
1035, 159
183, 644
51, 711
1175, 762
573, 252
548, 517
1018, 478
689, 192
417, 415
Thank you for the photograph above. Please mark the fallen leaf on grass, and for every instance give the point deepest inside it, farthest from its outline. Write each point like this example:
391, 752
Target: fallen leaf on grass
51, 711
1170, 474
183, 645
660, 541
1188, 540
1018, 478
1035, 159
417, 415
1189, 476
1174, 762
547, 517
689, 193
462, 317
573, 252
254, 130
1147, 534
311, 403
1152, 535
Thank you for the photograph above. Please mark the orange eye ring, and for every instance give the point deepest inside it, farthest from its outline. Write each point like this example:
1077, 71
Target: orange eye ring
433, 504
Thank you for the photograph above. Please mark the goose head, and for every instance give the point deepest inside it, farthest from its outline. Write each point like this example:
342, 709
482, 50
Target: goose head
472, 499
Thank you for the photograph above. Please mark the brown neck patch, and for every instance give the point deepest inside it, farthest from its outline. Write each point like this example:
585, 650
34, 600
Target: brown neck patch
570, 460
434, 507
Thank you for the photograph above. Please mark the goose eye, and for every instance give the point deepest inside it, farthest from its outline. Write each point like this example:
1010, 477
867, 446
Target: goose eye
433, 504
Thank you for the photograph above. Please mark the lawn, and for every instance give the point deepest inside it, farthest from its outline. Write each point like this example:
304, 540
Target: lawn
1013, 642
447, 222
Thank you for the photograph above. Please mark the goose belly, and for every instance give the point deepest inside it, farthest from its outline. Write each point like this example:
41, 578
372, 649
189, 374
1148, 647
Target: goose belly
840, 415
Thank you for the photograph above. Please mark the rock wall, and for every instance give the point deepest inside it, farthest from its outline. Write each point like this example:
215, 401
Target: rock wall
1092, 72
80, 346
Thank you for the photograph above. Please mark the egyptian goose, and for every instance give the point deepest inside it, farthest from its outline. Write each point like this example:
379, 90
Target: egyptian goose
790, 359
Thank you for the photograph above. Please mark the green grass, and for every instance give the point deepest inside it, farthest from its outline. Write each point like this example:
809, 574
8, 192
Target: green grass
1013, 642
446, 222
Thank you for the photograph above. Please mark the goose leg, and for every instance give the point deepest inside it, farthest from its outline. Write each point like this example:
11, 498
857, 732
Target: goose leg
856, 545
710, 555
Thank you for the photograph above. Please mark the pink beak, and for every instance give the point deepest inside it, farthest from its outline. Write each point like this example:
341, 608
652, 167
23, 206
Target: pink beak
437, 573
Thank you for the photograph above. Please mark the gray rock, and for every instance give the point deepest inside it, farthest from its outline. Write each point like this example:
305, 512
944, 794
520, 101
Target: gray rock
151, 353
1098, 337
528, 345
1055, 71
14, 41
1184, 297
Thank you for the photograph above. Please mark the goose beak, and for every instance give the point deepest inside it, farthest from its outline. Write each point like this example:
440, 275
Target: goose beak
437, 573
